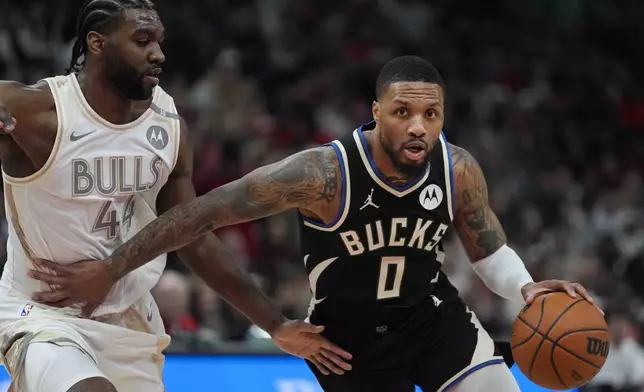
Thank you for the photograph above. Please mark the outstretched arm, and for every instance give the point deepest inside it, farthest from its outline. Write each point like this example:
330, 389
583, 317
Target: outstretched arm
209, 258
213, 262
308, 180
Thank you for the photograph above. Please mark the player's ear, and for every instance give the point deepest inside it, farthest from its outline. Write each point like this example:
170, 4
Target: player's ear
375, 111
95, 43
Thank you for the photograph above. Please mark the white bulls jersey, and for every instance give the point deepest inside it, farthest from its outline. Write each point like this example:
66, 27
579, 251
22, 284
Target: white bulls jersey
98, 188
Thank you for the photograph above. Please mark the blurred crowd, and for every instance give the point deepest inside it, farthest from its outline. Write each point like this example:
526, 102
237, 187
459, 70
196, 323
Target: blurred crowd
546, 95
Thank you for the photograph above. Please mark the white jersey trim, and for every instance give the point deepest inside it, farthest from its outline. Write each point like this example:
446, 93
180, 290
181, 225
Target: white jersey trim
376, 179
483, 355
347, 196
177, 135
14, 219
447, 163
103, 122
55, 148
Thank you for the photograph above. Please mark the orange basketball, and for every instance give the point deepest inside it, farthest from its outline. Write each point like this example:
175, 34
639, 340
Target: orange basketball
560, 342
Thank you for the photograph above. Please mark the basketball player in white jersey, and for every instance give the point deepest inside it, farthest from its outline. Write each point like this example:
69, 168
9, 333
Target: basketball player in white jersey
89, 159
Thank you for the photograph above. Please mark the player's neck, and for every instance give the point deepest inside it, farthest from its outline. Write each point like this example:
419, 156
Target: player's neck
383, 162
102, 97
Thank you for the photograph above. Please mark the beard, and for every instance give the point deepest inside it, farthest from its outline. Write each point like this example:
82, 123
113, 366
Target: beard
407, 169
126, 79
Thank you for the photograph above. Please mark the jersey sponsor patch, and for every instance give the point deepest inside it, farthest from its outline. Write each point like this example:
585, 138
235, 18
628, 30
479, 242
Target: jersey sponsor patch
431, 197
157, 137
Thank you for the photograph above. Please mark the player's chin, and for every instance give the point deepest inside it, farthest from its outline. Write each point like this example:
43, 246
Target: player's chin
144, 92
412, 168
148, 90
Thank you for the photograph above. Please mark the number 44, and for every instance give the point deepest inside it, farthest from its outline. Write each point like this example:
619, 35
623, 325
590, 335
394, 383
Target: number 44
107, 218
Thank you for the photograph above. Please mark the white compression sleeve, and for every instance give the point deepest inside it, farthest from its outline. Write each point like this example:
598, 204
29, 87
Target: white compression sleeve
504, 273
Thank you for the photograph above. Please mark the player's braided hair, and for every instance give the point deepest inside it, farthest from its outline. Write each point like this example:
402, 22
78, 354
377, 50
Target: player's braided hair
99, 16
407, 69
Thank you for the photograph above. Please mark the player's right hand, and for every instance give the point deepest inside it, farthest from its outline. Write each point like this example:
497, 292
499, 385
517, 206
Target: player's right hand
85, 282
303, 340
7, 123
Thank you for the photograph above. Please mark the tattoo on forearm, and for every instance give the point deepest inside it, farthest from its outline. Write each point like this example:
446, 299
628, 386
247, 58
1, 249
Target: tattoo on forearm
486, 229
478, 226
300, 181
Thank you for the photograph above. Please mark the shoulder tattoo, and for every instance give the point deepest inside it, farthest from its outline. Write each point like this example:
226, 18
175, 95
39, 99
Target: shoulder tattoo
478, 226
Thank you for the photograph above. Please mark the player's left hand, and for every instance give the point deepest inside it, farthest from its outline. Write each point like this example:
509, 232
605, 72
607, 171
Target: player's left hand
531, 290
303, 340
85, 282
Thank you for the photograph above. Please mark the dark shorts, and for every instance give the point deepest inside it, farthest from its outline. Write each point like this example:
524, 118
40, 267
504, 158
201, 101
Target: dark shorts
434, 348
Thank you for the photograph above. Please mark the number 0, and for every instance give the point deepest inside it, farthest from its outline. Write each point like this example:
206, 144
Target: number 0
385, 264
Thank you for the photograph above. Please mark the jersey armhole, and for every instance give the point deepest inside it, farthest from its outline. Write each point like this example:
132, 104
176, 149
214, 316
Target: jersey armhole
449, 173
345, 183
177, 133
60, 126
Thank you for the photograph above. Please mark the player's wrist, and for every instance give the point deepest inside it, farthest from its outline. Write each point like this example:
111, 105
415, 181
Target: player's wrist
115, 268
275, 326
525, 287
504, 273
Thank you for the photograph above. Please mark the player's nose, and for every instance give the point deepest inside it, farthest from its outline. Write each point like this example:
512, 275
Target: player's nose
157, 56
416, 127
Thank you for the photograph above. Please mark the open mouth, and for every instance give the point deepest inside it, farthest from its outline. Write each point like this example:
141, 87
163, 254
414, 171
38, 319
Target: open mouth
415, 151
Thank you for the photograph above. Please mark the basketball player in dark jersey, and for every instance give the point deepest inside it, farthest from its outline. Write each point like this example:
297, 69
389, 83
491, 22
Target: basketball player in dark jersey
374, 207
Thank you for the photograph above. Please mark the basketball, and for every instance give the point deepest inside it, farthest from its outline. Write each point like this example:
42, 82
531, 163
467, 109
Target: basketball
560, 342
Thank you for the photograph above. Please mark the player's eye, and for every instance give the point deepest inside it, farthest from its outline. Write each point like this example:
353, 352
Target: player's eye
432, 113
401, 111
143, 42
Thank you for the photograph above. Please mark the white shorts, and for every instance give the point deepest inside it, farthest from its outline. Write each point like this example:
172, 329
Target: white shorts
125, 348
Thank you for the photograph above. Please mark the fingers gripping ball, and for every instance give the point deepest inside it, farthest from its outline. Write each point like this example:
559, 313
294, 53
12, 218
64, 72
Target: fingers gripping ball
560, 342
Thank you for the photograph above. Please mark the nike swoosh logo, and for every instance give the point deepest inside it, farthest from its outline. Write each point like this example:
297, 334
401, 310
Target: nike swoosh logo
73, 137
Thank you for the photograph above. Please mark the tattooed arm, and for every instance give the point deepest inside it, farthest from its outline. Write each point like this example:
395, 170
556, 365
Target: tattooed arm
304, 180
307, 180
477, 225
208, 257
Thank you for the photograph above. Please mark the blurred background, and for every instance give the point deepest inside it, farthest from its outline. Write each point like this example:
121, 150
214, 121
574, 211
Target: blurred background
548, 95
